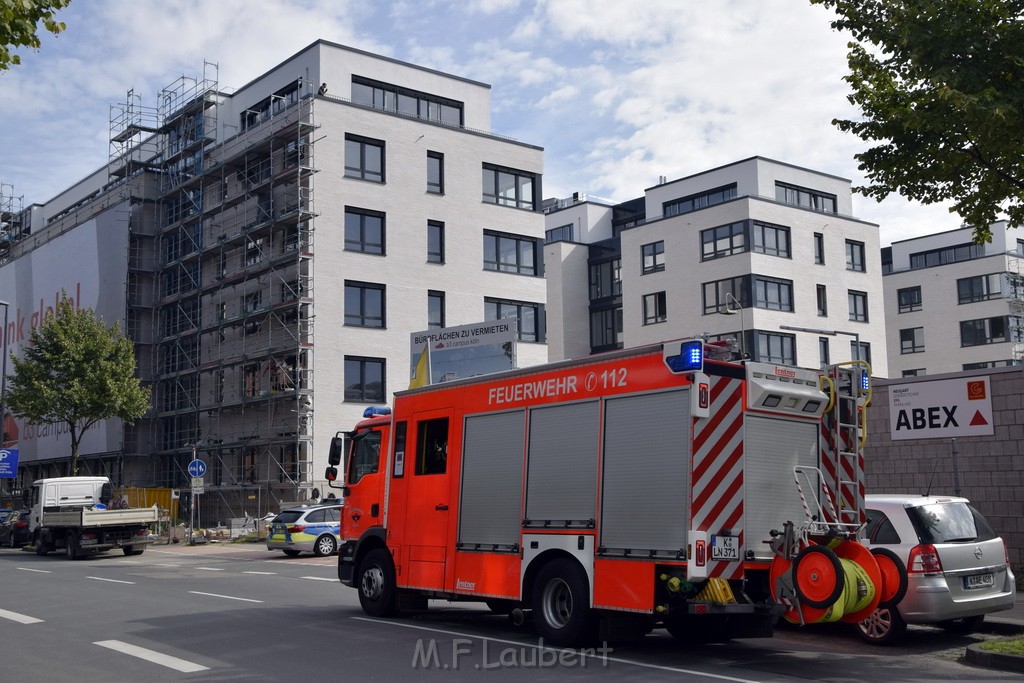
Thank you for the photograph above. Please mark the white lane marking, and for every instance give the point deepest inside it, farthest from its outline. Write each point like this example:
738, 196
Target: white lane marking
226, 597
20, 618
579, 653
262, 573
182, 665
209, 569
41, 571
316, 578
100, 578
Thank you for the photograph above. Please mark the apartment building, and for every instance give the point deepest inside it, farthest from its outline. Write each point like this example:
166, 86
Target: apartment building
273, 248
953, 305
759, 251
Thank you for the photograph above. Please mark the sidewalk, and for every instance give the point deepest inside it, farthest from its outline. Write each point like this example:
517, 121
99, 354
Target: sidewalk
1008, 622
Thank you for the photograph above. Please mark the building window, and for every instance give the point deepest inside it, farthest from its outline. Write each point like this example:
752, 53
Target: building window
252, 302
860, 353
253, 251
364, 304
435, 242
435, 173
407, 102
364, 158
774, 347
909, 299
701, 200
605, 279
916, 372
990, 364
364, 231
724, 294
991, 330
805, 198
654, 308
653, 257
435, 309
979, 288
819, 248
1020, 247
770, 239
724, 240
822, 301
562, 233
510, 253
946, 255
823, 352
528, 316
858, 305
606, 329
364, 379
773, 294
855, 256
912, 340
509, 187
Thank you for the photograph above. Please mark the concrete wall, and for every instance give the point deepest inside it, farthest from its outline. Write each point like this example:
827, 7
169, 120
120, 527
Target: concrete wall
991, 468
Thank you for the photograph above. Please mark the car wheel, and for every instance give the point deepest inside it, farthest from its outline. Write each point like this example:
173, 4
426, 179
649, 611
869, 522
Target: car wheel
884, 627
962, 626
41, 547
71, 547
325, 545
378, 594
561, 604
290, 552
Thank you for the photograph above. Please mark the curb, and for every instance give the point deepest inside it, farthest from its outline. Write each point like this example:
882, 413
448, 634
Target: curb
994, 660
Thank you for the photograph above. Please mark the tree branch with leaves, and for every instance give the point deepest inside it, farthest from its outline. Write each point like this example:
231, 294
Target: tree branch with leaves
19, 25
940, 85
76, 371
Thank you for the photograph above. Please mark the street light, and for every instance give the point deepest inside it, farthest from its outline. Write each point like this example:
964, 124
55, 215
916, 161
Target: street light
830, 333
734, 311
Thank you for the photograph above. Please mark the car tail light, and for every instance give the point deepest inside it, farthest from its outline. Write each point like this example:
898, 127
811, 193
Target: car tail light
91, 537
924, 559
142, 532
297, 529
21, 525
1006, 554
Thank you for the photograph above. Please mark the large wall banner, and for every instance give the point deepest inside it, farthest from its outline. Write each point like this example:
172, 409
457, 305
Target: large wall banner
942, 408
451, 353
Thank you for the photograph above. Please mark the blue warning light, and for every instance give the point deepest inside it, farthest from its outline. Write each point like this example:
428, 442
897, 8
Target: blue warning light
690, 358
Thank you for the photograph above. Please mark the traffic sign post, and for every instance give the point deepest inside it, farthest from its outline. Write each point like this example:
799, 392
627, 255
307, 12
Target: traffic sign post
196, 469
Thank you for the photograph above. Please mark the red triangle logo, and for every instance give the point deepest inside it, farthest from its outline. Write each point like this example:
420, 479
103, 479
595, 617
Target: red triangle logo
978, 419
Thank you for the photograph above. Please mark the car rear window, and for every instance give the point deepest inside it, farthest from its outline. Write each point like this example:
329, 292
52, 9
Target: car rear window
950, 523
287, 517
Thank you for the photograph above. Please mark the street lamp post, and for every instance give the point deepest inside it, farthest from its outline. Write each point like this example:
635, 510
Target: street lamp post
728, 310
830, 333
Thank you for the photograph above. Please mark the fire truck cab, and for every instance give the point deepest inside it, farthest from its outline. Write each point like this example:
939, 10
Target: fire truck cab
616, 493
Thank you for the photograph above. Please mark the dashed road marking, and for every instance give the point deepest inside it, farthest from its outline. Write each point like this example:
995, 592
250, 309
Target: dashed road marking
100, 578
20, 618
226, 597
176, 663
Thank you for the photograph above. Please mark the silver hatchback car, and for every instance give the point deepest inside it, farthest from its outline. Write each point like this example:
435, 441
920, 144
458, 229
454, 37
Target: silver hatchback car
957, 566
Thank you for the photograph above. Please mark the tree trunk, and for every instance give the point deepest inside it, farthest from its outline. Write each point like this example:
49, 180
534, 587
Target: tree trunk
73, 462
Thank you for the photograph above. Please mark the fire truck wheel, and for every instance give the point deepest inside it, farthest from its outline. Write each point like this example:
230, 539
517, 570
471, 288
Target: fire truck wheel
561, 604
818, 576
883, 627
378, 595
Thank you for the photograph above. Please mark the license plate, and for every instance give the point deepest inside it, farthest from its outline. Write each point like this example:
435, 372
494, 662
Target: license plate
979, 581
725, 548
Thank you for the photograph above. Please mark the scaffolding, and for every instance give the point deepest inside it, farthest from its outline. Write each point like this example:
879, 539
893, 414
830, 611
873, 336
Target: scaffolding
12, 218
1013, 292
234, 328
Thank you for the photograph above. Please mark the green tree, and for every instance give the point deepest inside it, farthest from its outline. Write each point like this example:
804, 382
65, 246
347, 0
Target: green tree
940, 84
19, 21
76, 371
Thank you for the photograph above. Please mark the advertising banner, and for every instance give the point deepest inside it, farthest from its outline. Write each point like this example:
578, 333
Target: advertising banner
945, 408
451, 353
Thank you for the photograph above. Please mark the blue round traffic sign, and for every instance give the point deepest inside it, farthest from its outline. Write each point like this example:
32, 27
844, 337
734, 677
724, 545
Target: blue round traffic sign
197, 468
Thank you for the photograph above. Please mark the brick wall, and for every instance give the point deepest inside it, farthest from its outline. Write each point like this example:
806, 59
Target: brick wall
991, 468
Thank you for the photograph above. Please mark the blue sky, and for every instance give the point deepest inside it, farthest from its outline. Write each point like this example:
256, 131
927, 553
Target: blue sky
618, 93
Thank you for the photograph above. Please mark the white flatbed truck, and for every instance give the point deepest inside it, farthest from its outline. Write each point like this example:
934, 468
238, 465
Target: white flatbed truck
70, 514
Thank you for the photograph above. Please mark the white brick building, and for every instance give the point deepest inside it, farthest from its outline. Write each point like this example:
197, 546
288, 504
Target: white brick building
286, 239
952, 305
770, 244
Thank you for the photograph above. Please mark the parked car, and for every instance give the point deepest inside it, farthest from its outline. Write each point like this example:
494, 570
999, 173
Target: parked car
14, 531
958, 569
313, 528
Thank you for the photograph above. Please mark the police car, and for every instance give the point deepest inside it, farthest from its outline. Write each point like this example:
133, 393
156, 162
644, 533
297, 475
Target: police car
312, 528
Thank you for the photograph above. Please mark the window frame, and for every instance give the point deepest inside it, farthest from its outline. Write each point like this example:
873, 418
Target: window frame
856, 256
760, 229
493, 262
362, 245
498, 304
985, 292
819, 249
563, 233
435, 295
854, 298
806, 198
699, 200
435, 187
361, 317
912, 342
361, 171
909, 303
523, 183
652, 257
654, 308
435, 255
362, 362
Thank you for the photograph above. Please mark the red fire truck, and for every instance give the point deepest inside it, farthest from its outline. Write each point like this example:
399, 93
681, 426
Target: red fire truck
664, 485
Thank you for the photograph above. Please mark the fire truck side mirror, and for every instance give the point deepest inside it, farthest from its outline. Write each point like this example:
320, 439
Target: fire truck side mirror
337, 447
